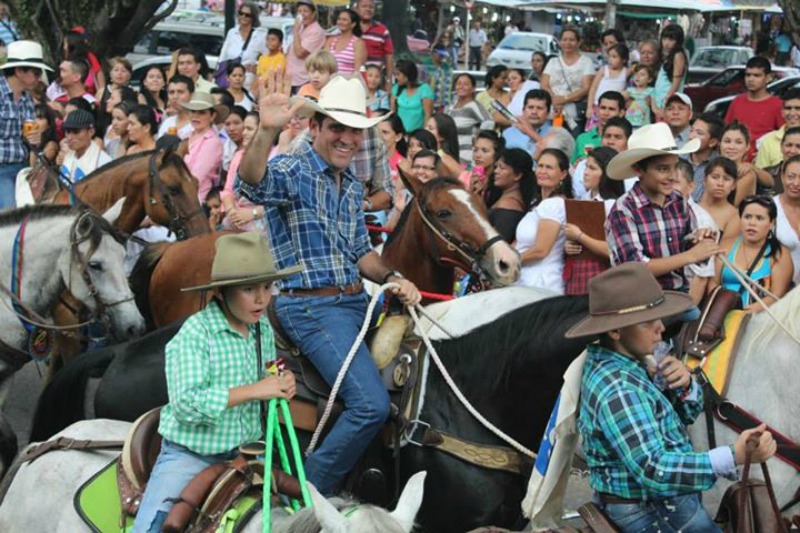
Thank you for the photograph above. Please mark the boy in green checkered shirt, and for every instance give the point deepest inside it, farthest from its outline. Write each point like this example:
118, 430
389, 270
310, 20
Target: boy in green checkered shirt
213, 379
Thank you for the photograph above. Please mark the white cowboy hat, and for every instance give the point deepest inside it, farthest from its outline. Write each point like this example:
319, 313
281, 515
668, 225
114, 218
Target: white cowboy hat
647, 141
24, 54
344, 100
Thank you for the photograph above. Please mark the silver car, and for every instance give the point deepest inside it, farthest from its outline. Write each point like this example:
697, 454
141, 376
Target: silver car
515, 50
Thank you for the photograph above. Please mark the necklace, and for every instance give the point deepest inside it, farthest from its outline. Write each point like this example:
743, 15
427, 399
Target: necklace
748, 263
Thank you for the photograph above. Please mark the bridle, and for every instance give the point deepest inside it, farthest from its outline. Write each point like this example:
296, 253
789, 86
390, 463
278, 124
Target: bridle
177, 223
471, 255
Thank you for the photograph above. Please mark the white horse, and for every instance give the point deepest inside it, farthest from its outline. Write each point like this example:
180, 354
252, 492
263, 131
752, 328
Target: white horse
38, 496
60, 248
764, 382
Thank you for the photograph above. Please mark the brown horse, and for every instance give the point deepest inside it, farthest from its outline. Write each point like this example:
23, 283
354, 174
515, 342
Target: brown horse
444, 226
156, 184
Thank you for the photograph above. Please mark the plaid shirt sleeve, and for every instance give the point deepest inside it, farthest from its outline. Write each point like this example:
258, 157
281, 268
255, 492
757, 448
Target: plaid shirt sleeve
623, 238
690, 407
634, 434
193, 400
382, 173
273, 189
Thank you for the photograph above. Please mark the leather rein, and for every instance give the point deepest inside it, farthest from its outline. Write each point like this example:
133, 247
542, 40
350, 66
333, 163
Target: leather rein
177, 223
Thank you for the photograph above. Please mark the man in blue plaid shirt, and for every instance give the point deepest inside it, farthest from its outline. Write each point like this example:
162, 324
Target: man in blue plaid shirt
313, 208
634, 411
21, 71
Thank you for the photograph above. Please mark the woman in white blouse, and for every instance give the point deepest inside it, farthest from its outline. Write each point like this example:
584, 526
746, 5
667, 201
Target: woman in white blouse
540, 234
244, 40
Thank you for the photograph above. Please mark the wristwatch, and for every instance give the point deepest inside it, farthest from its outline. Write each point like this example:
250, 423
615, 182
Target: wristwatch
391, 273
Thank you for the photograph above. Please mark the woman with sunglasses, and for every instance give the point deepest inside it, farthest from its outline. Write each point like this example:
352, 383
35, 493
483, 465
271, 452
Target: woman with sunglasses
756, 253
787, 225
243, 40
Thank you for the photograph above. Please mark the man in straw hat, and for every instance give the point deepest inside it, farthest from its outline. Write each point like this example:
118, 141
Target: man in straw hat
652, 223
21, 72
313, 208
213, 378
644, 472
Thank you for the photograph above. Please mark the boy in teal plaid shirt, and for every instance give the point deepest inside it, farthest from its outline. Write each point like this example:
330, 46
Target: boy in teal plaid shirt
213, 379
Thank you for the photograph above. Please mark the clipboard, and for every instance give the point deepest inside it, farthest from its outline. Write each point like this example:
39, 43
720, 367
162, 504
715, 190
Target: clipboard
590, 216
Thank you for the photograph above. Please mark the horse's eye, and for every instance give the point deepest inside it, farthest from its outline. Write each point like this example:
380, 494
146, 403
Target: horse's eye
97, 266
443, 214
174, 190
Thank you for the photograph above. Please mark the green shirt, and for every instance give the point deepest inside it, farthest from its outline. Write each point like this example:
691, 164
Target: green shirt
203, 362
588, 138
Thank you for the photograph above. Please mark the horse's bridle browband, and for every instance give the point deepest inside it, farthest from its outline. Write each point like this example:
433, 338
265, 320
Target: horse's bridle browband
472, 255
177, 223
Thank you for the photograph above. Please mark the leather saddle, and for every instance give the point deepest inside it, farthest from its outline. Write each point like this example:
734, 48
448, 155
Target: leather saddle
699, 337
206, 499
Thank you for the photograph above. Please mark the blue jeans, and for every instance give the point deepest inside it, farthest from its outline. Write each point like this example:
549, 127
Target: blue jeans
175, 467
324, 328
681, 513
8, 184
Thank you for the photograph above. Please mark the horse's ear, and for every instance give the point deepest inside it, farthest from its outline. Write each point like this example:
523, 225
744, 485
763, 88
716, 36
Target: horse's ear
113, 212
411, 183
327, 515
410, 501
182, 149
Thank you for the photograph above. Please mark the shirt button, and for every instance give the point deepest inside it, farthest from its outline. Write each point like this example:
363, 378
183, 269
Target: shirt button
669, 239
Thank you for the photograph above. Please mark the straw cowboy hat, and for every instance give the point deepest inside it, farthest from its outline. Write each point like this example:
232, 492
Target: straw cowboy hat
201, 100
243, 259
626, 295
344, 100
647, 141
24, 54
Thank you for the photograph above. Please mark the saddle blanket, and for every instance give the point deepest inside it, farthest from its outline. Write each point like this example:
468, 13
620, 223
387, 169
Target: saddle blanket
718, 363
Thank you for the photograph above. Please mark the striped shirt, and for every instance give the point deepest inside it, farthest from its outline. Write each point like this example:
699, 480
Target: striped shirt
635, 441
469, 119
311, 220
346, 57
12, 115
379, 43
639, 230
203, 362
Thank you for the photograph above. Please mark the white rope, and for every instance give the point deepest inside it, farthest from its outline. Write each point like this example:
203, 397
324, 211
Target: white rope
439, 364
747, 283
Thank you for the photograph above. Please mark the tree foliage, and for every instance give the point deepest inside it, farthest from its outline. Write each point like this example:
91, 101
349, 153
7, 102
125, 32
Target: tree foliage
791, 12
114, 26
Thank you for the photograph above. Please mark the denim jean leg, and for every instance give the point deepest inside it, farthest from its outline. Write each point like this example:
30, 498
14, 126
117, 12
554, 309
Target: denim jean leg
324, 329
686, 514
175, 467
8, 184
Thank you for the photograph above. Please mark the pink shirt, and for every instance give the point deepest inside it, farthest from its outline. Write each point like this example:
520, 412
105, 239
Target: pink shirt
204, 159
313, 37
346, 57
233, 169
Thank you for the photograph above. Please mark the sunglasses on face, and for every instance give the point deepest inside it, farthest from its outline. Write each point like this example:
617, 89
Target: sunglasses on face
245, 14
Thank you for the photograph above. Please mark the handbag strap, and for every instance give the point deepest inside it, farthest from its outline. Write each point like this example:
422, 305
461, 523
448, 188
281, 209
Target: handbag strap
564, 70
750, 447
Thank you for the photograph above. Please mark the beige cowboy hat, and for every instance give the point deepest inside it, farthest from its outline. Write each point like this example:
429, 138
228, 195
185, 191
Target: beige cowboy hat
344, 100
24, 54
647, 141
243, 259
626, 295
201, 100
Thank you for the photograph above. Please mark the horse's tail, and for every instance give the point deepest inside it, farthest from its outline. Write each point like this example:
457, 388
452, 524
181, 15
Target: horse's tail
62, 401
140, 279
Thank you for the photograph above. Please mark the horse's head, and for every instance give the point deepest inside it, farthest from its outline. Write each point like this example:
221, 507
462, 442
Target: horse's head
459, 218
171, 196
369, 518
93, 269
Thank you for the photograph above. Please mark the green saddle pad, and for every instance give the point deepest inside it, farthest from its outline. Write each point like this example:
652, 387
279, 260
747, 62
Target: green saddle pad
98, 504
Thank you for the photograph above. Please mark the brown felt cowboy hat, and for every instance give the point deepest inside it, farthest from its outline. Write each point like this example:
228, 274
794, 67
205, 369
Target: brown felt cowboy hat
647, 141
626, 295
243, 259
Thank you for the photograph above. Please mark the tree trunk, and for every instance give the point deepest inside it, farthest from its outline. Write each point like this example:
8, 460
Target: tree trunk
395, 16
791, 13
114, 26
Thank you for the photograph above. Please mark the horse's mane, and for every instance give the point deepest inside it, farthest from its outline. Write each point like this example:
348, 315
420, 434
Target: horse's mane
169, 159
539, 326
369, 518
785, 310
427, 188
35, 212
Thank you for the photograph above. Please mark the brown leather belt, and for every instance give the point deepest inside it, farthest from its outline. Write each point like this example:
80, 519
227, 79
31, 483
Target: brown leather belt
610, 498
347, 290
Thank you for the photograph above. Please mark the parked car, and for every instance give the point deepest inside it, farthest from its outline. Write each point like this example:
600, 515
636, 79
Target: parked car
720, 106
708, 61
729, 82
515, 50
203, 31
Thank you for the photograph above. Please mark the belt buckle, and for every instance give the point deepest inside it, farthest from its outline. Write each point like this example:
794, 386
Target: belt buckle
415, 424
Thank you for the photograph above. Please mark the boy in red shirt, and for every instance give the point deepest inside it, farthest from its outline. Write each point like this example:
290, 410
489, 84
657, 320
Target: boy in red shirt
757, 109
